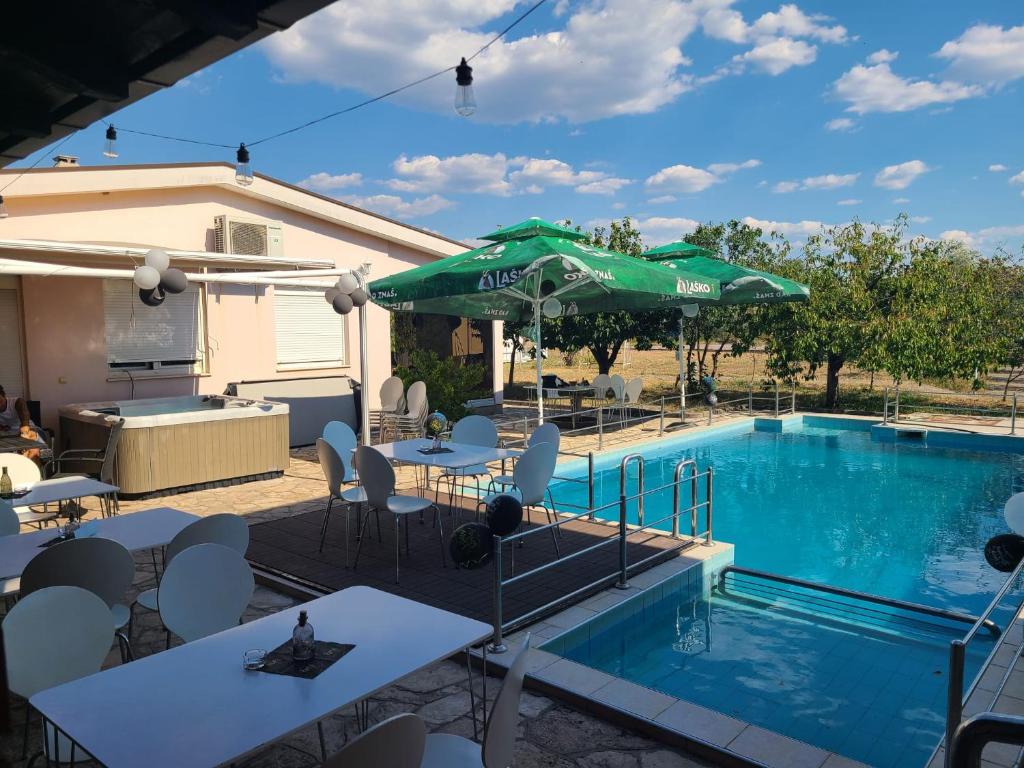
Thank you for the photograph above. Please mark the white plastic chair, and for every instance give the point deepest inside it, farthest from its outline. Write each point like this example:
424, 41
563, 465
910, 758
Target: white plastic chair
102, 566
618, 395
336, 470
634, 388
530, 477
447, 750
378, 479
392, 392
343, 440
601, 383
205, 590
23, 473
397, 742
547, 432
225, 528
469, 430
53, 636
416, 408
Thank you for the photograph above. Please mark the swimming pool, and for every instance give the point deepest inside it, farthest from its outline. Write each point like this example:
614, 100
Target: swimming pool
830, 504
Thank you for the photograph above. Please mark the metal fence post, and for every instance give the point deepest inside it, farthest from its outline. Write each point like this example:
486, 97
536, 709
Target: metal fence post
711, 413
792, 399
600, 427
693, 502
896, 408
1013, 416
885, 407
623, 582
590, 483
750, 399
710, 494
776, 399
661, 418
497, 644
682, 409
954, 693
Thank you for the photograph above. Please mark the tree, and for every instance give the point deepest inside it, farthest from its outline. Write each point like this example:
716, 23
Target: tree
604, 333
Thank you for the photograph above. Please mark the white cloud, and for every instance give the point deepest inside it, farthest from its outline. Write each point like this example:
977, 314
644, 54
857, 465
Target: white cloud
326, 182
840, 124
958, 235
882, 57
775, 56
985, 236
788, 228
901, 200
826, 181
986, 54
830, 181
725, 24
900, 176
662, 199
657, 230
393, 205
790, 20
632, 62
720, 169
849, 201
997, 168
496, 174
1017, 179
920, 219
608, 186
878, 89
685, 179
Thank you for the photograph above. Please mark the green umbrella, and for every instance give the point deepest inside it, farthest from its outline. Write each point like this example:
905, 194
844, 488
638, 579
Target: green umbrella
736, 284
539, 267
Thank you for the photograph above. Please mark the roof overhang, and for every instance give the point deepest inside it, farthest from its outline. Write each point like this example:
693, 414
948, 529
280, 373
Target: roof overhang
64, 67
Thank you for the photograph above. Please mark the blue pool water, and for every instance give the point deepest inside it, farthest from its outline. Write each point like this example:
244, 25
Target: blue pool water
903, 520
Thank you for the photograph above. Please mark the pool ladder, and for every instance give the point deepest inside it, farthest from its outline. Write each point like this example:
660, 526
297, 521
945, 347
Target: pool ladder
890, 602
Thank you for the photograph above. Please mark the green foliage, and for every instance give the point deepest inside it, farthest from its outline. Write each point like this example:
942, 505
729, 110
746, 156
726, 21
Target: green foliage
449, 382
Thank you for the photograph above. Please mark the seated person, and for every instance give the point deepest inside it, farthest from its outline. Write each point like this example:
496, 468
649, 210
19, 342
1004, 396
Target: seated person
14, 417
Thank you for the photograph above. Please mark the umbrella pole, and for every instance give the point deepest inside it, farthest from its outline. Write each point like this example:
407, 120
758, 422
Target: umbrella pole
537, 358
682, 371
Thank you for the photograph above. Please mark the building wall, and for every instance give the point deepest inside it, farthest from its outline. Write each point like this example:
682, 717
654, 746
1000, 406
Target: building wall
65, 343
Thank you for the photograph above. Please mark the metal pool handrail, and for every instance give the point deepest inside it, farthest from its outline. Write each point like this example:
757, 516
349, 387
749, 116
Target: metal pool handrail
955, 696
621, 575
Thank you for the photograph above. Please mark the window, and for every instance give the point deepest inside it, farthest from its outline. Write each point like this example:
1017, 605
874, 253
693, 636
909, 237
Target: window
309, 333
12, 372
167, 338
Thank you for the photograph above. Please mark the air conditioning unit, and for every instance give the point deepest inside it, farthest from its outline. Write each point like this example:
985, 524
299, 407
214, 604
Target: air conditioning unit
247, 237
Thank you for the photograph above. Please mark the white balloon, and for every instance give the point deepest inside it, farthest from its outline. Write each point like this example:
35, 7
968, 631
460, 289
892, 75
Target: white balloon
551, 308
347, 283
147, 278
691, 310
1014, 512
158, 259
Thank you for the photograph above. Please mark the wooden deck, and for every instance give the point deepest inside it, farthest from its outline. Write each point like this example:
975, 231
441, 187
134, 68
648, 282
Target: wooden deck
288, 547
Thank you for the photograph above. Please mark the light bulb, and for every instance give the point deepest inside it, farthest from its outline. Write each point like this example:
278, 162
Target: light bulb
465, 101
243, 170
3, 208
110, 145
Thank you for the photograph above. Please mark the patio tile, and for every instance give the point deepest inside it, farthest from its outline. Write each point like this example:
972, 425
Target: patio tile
574, 677
776, 750
701, 722
634, 698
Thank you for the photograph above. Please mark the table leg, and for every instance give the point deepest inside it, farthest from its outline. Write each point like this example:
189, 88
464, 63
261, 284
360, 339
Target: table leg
472, 695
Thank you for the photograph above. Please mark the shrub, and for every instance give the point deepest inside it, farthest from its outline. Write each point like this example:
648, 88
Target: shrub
449, 383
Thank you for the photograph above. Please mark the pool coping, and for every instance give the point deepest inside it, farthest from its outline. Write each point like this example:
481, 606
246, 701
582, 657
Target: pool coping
703, 732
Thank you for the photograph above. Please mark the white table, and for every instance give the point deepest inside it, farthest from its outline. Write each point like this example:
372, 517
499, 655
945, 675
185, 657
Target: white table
574, 392
67, 488
196, 706
146, 529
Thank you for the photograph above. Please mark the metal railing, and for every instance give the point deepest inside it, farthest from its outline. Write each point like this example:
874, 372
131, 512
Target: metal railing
895, 405
972, 736
956, 697
620, 577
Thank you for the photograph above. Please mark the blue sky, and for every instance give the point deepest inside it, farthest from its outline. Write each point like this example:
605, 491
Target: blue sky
670, 111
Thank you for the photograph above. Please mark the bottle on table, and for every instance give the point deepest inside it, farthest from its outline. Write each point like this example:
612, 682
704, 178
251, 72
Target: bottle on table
6, 486
302, 639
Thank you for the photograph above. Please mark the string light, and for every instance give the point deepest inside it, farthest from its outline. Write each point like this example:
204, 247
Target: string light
465, 102
243, 170
110, 145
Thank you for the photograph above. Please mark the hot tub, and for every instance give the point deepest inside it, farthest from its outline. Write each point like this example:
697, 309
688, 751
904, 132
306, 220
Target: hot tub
174, 444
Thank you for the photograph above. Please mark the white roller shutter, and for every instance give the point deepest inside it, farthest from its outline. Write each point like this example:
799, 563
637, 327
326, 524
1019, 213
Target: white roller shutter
309, 333
170, 335
12, 371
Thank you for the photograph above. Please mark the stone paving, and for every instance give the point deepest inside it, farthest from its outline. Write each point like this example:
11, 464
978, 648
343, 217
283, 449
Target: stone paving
550, 734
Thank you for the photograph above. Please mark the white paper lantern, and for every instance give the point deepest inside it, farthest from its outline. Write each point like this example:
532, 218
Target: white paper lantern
347, 283
158, 259
551, 308
147, 278
691, 310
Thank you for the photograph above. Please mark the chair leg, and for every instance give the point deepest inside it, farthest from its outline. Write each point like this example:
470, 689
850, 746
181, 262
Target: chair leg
126, 647
440, 529
327, 518
398, 538
407, 550
362, 532
323, 744
551, 501
24, 740
380, 538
